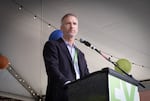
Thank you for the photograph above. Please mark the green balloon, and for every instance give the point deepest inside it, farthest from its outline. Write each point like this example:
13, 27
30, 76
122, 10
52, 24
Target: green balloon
124, 64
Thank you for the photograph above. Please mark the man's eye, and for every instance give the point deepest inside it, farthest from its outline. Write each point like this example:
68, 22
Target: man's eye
75, 23
67, 23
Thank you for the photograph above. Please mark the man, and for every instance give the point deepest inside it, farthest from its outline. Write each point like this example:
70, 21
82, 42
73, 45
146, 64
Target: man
63, 60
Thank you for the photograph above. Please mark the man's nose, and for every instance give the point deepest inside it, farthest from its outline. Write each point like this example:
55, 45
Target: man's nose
72, 25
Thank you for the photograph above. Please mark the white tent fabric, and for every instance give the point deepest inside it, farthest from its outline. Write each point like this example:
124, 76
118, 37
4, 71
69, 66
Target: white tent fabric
119, 28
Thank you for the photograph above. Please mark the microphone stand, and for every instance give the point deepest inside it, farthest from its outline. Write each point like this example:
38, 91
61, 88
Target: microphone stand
108, 59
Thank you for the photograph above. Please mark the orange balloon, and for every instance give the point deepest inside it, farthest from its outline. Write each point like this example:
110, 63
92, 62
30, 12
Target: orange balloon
4, 62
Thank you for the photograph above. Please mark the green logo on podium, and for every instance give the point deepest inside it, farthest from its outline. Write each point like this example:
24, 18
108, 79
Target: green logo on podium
120, 90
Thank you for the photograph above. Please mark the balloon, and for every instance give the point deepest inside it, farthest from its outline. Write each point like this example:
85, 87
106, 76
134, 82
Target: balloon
56, 35
124, 64
4, 63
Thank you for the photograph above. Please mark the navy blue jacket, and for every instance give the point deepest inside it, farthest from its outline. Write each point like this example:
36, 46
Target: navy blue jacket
59, 68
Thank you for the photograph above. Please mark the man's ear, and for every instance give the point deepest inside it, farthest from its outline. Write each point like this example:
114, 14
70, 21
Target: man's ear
61, 27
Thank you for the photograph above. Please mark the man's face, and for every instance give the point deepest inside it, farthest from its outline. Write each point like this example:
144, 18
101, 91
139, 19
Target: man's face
70, 26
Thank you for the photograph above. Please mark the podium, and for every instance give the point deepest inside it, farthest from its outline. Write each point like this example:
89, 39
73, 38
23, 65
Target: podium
104, 85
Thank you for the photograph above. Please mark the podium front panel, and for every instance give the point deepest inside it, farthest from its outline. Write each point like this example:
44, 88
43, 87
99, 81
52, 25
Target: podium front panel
92, 88
105, 85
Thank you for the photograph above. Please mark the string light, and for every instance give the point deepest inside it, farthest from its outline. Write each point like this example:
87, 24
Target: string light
49, 25
20, 7
9, 68
35, 17
111, 56
16, 75
22, 82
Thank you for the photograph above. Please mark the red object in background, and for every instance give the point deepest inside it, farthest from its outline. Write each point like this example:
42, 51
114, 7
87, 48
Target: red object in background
4, 62
145, 95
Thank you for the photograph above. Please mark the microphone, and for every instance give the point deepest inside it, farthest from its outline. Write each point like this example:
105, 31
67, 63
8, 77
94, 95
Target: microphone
87, 43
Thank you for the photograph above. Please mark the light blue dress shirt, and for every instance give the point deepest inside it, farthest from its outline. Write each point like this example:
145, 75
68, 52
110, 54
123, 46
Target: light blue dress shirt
74, 56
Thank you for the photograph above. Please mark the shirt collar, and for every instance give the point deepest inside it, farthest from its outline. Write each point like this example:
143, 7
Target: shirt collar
67, 43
